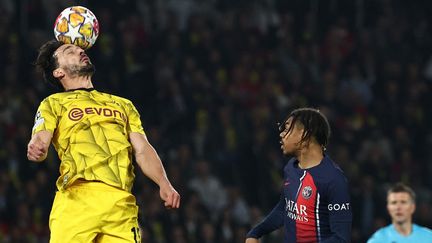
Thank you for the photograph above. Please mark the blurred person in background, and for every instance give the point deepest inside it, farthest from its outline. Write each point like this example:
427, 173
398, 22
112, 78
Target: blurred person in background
401, 205
315, 202
95, 135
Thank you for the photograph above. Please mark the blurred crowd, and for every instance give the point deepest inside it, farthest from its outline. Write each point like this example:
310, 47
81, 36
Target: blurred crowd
211, 79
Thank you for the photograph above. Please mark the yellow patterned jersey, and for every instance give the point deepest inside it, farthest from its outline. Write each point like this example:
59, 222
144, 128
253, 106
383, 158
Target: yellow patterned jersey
91, 135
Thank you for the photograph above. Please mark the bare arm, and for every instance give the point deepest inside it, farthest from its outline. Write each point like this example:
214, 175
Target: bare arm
37, 149
151, 165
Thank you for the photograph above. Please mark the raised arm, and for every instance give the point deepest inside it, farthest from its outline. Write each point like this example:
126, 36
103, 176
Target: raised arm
37, 148
151, 165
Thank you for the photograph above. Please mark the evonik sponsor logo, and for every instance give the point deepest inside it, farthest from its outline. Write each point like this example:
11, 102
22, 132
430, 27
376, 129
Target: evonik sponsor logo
76, 114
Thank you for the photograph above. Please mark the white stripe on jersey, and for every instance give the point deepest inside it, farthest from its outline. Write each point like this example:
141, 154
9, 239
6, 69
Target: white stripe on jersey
301, 183
317, 217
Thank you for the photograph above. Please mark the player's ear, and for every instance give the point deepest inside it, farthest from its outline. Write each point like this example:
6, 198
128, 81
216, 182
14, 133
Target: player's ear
58, 73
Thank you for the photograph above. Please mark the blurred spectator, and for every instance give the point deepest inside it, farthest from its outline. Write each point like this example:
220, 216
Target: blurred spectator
210, 190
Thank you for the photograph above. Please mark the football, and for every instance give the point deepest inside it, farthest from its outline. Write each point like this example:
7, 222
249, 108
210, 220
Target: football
77, 25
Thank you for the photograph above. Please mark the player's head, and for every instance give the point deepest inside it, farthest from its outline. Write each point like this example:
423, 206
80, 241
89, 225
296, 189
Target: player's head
57, 60
302, 127
401, 203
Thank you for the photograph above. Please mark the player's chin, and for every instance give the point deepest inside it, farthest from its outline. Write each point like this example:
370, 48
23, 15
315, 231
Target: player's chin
400, 219
284, 150
287, 153
88, 69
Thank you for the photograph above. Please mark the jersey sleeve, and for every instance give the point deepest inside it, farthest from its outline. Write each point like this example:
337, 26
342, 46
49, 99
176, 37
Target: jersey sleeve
134, 121
271, 222
340, 214
46, 118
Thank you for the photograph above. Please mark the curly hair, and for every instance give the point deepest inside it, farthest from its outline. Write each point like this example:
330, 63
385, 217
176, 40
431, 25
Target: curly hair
46, 62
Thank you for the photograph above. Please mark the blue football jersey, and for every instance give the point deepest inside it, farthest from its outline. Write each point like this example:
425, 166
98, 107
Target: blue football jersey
389, 234
314, 205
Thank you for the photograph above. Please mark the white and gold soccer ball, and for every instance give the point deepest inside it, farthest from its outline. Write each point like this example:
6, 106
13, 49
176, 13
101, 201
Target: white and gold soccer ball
77, 25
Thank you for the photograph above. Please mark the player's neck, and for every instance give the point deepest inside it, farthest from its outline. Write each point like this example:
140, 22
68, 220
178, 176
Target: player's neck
77, 83
310, 156
404, 228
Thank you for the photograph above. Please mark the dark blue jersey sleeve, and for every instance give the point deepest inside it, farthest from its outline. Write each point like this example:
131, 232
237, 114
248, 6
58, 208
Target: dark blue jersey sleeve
339, 207
273, 221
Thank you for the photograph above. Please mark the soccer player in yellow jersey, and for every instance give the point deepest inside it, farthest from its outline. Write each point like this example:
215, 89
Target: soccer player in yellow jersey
95, 135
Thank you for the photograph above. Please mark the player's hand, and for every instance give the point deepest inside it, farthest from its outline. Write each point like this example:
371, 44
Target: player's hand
170, 196
36, 149
252, 240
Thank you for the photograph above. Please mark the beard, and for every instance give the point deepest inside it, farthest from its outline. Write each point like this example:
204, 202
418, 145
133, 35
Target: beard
81, 71
290, 152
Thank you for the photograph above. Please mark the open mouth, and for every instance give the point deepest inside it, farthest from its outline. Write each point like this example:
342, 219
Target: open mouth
85, 59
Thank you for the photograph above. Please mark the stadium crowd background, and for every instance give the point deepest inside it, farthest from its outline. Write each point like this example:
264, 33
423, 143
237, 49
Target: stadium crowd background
211, 80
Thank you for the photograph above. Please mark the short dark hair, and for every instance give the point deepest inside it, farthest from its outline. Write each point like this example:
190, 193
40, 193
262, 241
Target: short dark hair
401, 187
315, 125
46, 62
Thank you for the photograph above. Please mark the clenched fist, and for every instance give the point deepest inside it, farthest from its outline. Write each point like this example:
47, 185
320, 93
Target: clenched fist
37, 149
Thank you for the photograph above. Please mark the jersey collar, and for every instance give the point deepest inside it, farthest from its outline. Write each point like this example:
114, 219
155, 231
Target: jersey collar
85, 89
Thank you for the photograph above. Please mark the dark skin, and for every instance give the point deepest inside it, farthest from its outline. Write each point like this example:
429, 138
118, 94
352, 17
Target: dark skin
309, 153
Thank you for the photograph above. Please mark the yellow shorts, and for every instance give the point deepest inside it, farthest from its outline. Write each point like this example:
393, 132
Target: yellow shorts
94, 212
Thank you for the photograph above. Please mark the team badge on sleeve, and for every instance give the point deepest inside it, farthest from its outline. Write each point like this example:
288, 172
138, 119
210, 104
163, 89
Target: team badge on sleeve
38, 120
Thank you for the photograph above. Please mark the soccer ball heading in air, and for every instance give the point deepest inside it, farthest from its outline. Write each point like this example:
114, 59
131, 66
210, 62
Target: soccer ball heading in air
77, 25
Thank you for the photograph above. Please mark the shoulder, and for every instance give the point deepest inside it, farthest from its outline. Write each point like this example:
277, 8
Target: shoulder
334, 168
330, 172
381, 234
52, 101
55, 97
120, 101
422, 230
115, 97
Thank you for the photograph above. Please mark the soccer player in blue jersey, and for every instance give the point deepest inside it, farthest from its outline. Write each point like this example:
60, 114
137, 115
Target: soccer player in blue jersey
315, 204
401, 207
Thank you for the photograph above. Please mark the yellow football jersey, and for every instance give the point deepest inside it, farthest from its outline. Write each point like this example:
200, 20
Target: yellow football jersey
91, 135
